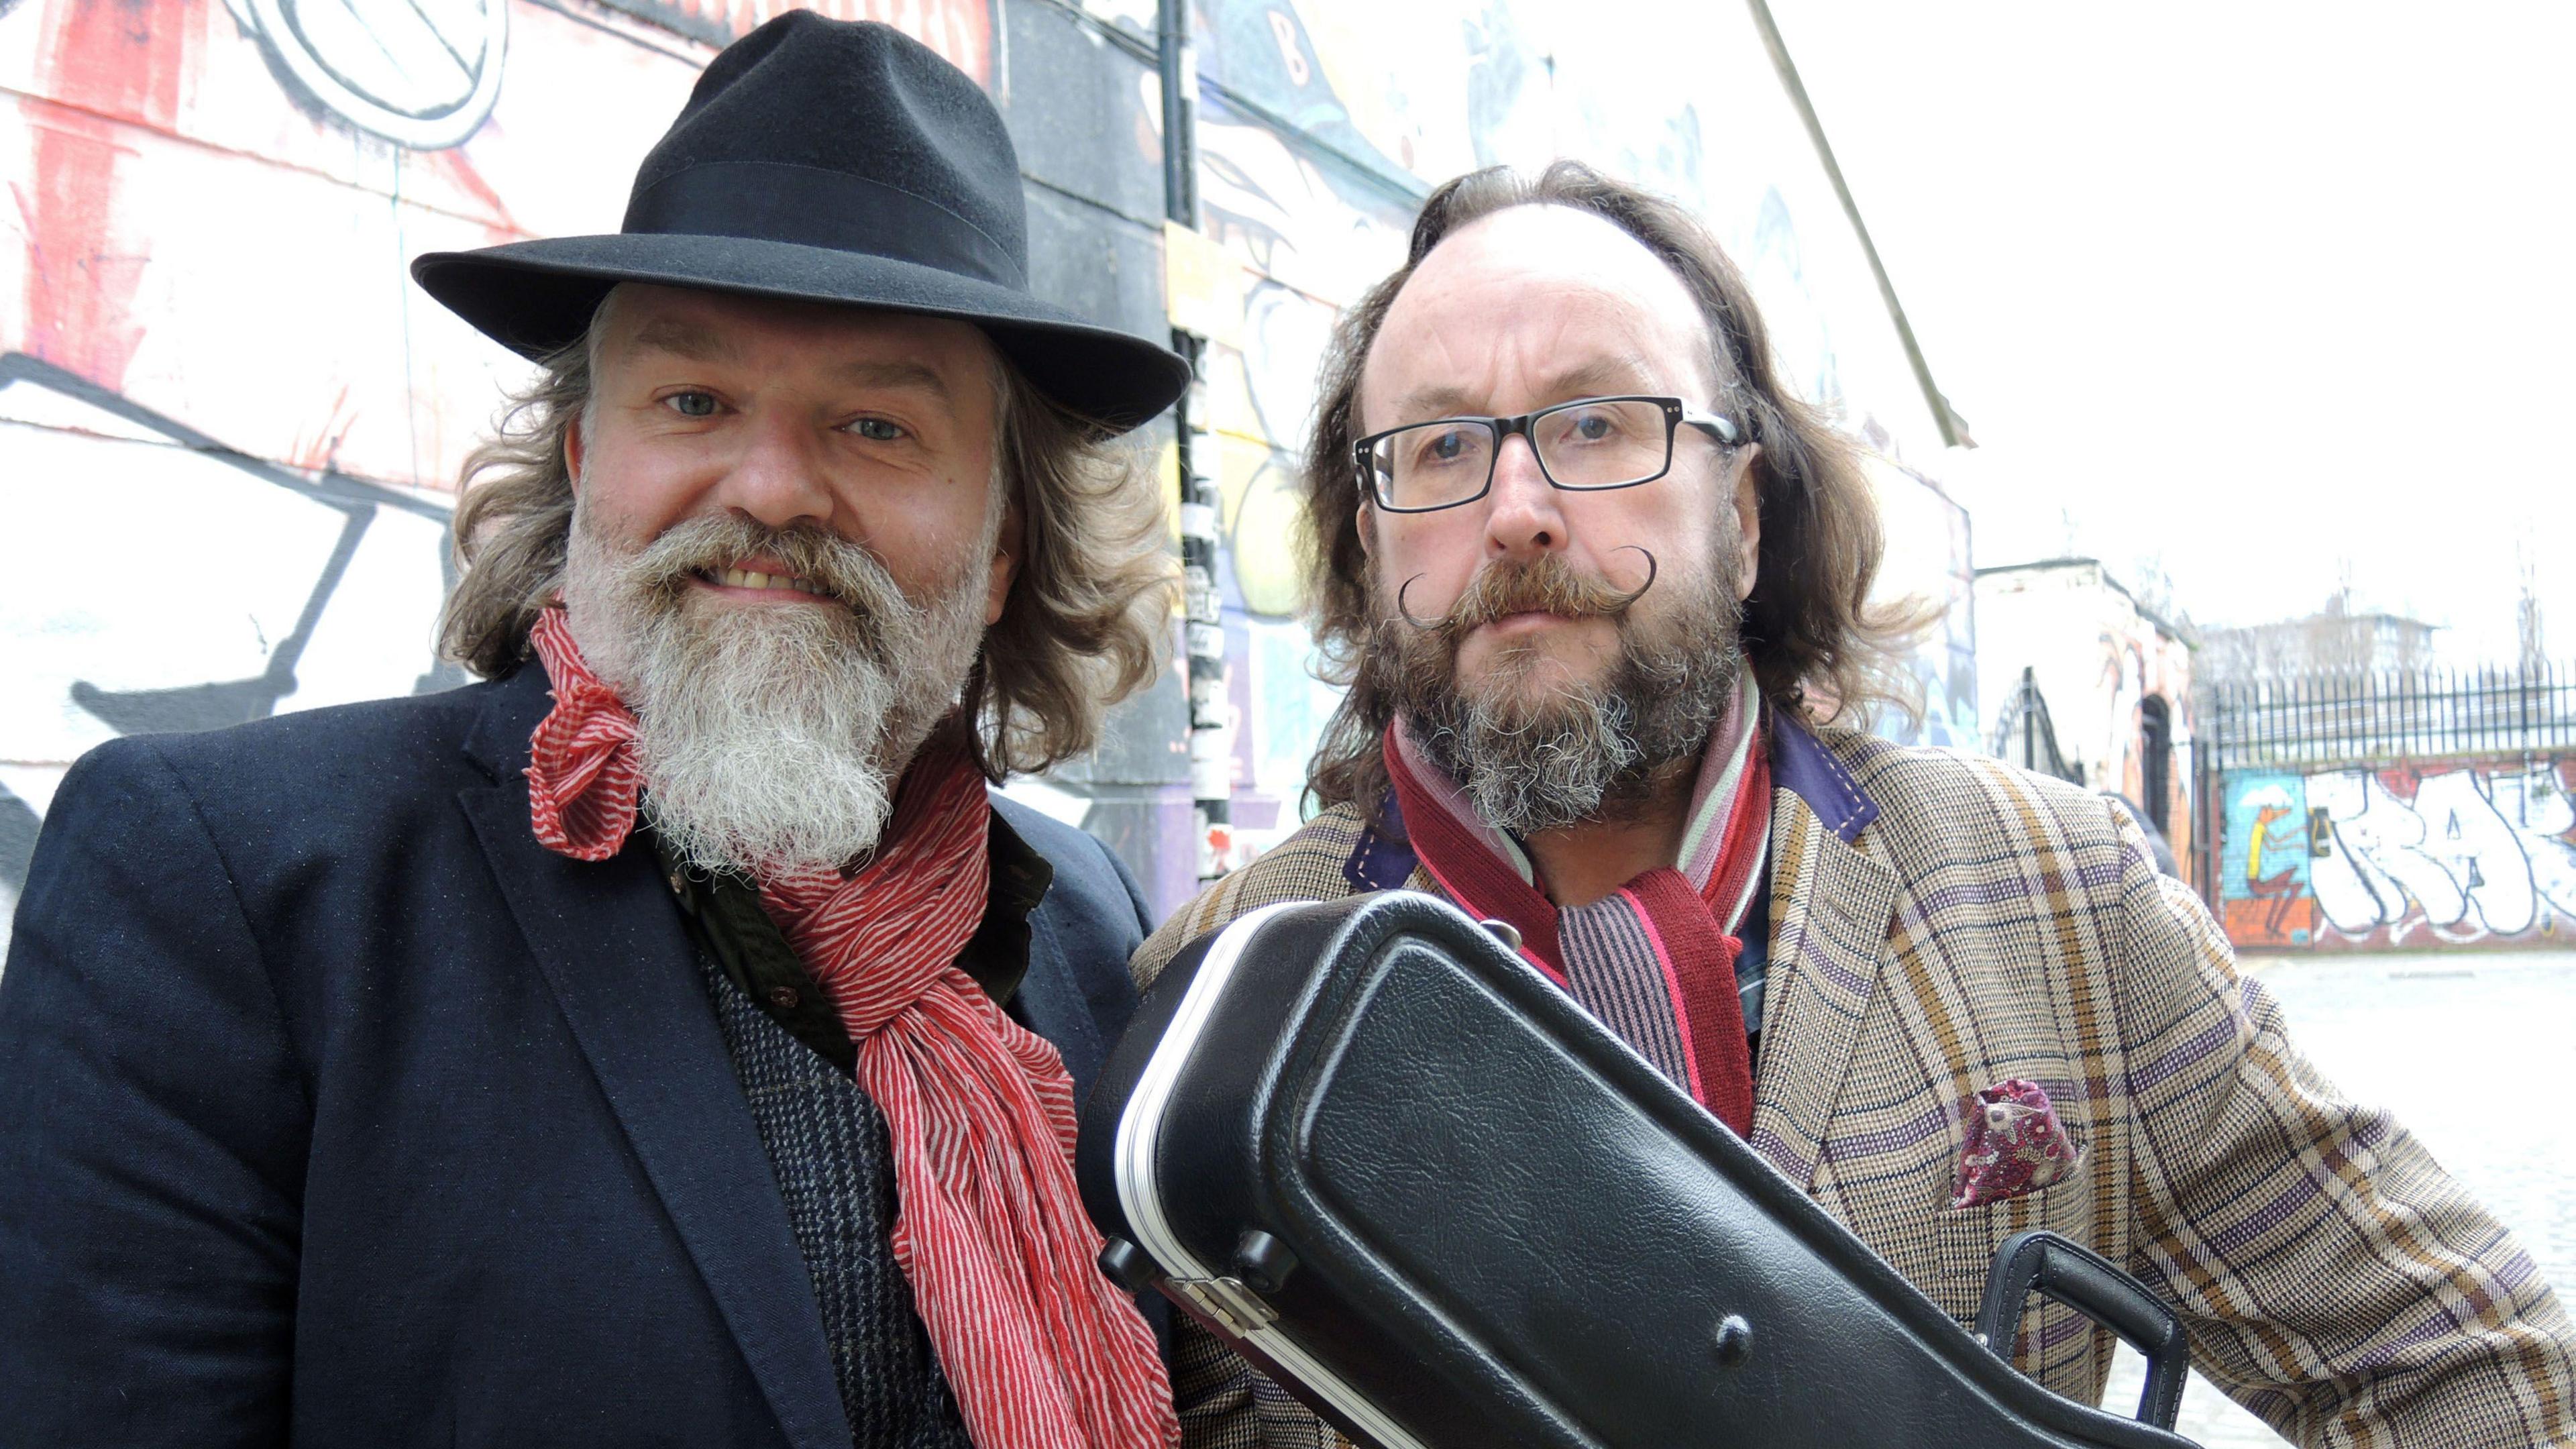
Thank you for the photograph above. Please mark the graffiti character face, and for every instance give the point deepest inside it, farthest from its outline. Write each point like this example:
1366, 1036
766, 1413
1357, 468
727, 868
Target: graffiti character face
1533, 306
877, 427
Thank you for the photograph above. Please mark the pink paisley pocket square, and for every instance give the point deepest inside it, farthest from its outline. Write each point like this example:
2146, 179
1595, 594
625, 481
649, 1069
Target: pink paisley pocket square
2015, 1145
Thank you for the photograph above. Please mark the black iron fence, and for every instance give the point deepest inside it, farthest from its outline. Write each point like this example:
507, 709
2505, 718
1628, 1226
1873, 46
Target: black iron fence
2369, 717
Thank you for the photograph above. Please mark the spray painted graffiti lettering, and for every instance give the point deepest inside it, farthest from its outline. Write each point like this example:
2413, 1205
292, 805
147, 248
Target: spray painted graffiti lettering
2403, 855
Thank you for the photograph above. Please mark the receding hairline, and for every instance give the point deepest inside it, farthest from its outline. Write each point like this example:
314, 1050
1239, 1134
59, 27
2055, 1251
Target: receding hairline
1599, 371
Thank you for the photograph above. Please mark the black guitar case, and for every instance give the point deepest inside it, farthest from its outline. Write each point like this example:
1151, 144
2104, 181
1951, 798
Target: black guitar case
1385, 1158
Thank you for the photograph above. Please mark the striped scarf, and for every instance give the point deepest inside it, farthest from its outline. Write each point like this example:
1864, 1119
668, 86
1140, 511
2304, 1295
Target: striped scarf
1042, 1352
1653, 960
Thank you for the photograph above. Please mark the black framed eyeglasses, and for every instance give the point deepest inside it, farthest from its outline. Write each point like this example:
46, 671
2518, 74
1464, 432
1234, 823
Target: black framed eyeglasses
1586, 445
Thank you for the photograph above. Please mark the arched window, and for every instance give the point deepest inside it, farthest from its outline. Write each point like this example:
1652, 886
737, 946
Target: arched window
2155, 760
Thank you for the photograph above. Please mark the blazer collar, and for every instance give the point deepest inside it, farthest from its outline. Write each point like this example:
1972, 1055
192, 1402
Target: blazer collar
1802, 765
1831, 901
608, 940
513, 706
1061, 997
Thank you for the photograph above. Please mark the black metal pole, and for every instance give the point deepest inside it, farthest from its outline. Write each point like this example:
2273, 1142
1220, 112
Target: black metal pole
1211, 787
1177, 62
2029, 715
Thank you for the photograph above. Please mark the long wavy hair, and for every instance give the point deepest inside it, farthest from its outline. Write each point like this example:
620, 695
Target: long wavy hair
1088, 617
1816, 644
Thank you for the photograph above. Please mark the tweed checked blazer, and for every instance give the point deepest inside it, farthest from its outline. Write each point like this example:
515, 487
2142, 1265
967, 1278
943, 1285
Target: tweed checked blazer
1942, 922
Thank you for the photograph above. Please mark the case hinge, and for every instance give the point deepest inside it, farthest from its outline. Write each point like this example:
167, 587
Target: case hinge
1229, 1302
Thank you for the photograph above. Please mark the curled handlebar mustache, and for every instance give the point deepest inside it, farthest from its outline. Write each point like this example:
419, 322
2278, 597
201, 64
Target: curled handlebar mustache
1611, 605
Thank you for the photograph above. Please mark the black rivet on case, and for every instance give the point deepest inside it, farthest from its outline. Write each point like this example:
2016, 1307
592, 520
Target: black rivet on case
1127, 1266
1505, 932
1734, 1340
1262, 1261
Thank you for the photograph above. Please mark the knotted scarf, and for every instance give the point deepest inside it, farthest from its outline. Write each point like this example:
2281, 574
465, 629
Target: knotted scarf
1040, 1350
1655, 960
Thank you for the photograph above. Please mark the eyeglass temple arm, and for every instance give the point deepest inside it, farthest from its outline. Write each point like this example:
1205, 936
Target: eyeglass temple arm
1723, 429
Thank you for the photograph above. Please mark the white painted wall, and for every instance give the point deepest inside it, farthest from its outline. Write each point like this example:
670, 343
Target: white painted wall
2095, 657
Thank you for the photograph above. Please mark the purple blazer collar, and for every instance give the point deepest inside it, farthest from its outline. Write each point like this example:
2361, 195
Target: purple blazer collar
1801, 763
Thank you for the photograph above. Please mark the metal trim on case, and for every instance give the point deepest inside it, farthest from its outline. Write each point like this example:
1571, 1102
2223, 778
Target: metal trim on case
1139, 1136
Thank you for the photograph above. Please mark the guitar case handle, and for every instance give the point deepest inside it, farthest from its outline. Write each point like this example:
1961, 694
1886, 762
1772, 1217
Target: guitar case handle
2041, 1262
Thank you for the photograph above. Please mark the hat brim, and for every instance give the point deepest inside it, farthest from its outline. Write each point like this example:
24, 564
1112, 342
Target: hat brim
537, 297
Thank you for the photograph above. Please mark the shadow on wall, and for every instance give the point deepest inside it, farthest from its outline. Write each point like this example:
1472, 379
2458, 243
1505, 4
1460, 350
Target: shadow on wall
164, 581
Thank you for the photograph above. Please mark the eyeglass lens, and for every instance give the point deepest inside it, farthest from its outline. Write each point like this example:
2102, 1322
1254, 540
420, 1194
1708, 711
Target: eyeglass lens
1588, 445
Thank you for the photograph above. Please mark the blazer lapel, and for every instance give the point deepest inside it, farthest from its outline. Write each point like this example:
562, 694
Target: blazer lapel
1052, 1003
608, 939
1830, 908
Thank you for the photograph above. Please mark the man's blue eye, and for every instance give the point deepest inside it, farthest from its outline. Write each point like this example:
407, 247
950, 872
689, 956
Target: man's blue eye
877, 430
693, 404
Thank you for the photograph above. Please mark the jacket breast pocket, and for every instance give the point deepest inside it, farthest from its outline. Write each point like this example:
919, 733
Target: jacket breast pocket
1965, 1239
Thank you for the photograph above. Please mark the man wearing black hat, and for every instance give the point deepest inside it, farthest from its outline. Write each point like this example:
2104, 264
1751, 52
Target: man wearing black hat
669, 1041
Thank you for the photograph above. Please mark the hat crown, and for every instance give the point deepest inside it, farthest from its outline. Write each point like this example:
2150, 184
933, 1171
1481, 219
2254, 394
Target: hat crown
835, 162
837, 98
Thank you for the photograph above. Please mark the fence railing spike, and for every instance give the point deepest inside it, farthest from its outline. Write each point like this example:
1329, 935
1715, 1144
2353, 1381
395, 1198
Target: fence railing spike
2350, 714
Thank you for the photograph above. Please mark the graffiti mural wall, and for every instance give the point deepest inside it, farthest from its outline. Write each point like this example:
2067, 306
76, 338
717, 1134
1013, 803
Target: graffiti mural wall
215, 370
2423, 854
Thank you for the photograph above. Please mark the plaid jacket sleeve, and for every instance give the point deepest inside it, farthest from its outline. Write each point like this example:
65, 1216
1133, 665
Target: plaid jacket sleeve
2337, 1282
1310, 865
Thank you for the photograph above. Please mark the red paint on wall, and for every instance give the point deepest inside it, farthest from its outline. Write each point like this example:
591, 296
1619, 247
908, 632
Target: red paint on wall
317, 446
80, 281
2271, 924
460, 172
107, 65
130, 59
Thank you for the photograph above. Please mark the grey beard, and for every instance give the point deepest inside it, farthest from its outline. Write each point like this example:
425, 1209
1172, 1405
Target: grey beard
772, 738
1582, 755
1536, 774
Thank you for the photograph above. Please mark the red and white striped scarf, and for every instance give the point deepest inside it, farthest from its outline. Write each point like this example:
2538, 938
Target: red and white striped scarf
1041, 1351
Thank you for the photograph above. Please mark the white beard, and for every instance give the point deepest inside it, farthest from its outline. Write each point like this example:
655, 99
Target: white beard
771, 737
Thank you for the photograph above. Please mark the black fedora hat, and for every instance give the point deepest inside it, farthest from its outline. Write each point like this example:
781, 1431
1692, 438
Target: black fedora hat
829, 161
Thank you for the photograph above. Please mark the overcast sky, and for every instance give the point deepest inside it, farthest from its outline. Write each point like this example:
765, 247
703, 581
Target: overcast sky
2267, 295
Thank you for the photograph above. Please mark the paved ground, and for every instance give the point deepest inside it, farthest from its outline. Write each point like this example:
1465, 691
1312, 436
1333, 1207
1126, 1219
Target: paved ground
2472, 1050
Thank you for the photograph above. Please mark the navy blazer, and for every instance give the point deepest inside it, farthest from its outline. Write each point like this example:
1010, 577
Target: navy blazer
335, 1108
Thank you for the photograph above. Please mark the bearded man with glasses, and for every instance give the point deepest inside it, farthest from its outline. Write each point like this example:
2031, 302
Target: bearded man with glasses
1600, 586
